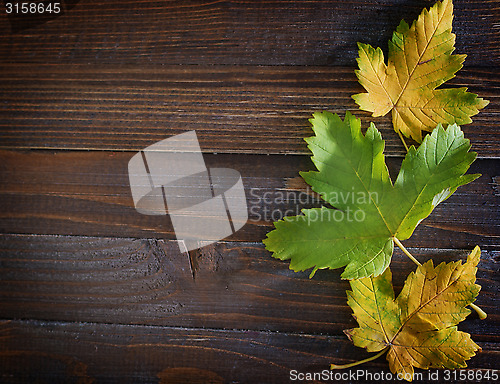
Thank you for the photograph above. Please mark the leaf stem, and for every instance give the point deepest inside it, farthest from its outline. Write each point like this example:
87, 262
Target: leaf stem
479, 311
335, 366
403, 140
405, 251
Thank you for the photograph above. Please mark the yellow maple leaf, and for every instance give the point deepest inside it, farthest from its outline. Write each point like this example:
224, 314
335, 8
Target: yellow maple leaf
418, 329
420, 60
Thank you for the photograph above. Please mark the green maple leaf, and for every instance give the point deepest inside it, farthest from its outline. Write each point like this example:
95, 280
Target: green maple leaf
420, 60
371, 212
418, 329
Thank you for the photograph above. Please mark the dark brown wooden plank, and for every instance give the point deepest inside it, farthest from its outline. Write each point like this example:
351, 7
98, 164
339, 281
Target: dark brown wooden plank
88, 193
60, 353
234, 109
113, 76
233, 32
236, 285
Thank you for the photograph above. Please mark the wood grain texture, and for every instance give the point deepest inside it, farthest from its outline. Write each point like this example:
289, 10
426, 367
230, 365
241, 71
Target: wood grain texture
88, 193
245, 32
91, 291
236, 285
54, 352
234, 109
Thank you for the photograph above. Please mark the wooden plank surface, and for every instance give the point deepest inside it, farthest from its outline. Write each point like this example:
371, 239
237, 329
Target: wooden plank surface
235, 285
58, 352
234, 109
93, 291
88, 193
244, 32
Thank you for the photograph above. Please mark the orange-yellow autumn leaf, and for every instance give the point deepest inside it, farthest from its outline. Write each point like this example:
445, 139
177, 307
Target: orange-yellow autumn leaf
419, 327
420, 60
